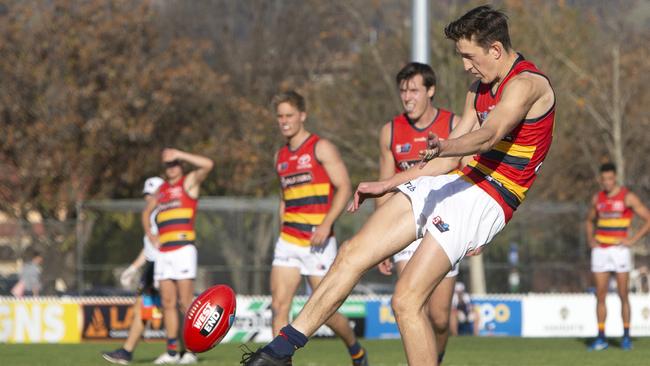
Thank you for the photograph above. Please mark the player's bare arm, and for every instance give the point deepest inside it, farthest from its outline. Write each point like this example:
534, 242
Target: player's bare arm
589, 222
328, 155
386, 159
150, 204
633, 201
526, 96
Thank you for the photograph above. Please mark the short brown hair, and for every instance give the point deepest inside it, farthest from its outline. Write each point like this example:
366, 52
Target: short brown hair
292, 97
483, 24
415, 68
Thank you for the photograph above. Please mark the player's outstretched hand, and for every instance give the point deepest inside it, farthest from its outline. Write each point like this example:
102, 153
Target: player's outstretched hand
367, 190
432, 150
386, 267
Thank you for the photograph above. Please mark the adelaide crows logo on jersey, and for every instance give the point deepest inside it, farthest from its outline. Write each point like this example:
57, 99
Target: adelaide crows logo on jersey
482, 116
403, 148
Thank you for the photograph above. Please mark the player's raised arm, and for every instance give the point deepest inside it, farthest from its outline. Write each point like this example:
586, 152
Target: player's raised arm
633, 201
193, 179
328, 155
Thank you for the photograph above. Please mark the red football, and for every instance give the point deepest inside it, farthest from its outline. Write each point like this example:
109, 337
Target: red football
209, 318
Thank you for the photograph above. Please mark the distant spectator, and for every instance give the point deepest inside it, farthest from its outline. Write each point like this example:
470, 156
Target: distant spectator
462, 314
30, 276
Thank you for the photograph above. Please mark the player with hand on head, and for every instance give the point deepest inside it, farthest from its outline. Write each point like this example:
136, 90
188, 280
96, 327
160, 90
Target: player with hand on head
175, 267
507, 122
613, 209
315, 190
400, 141
146, 289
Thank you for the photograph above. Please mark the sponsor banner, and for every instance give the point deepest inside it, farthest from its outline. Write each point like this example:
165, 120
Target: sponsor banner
575, 316
380, 320
498, 317
39, 321
112, 321
253, 319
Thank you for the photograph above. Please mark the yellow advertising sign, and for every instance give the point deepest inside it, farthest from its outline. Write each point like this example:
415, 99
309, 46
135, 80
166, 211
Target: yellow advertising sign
39, 322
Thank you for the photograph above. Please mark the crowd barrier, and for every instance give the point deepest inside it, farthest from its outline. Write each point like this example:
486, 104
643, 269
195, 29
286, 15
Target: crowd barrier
79, 319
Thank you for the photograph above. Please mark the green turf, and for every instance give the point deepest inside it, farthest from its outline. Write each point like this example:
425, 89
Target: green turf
463, 351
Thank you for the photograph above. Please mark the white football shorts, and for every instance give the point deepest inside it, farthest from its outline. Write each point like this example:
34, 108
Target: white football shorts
458, 214
310, 262
615, 258
178, 264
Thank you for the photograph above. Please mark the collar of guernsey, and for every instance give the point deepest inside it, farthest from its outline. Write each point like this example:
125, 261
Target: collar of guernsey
614, 218
406, 140
175, 219
306, 191
508, 170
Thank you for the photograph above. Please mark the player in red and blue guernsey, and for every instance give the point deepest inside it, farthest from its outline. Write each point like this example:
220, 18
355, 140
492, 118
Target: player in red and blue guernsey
612, 210
315, 189
175, 267
508, 123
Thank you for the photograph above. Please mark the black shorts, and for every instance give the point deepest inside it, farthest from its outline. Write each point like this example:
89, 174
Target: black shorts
146, 285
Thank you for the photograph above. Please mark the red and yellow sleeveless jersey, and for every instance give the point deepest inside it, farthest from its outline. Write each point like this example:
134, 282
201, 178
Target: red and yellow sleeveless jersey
614, 218
306, 190
508, 170
406, 140
175, 218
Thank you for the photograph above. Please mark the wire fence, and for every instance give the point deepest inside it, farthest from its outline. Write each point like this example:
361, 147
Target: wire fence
543, 249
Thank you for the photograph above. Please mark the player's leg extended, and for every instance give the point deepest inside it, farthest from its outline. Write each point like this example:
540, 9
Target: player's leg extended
388, 230
424, 271
284, 284
439, 306
137, 326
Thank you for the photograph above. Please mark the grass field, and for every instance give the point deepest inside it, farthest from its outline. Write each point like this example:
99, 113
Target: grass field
462, 351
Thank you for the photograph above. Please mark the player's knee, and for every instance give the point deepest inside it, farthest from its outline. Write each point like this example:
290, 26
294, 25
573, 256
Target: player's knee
346, 259
168, 302
403, 305
440, 323
279, 307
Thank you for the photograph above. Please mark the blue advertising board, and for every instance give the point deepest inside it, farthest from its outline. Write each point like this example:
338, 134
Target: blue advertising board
498, 317
380, 321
